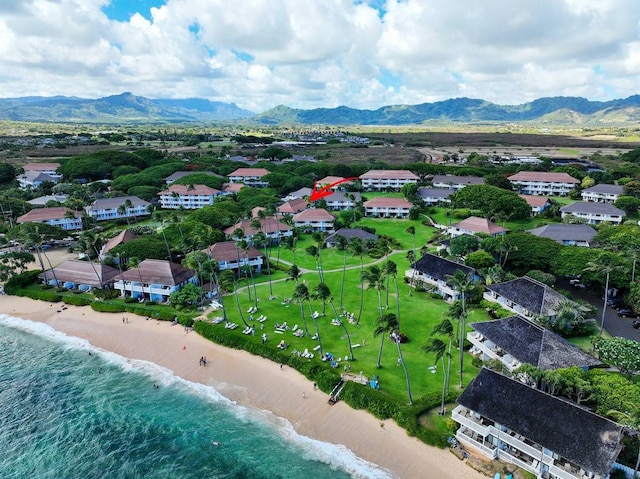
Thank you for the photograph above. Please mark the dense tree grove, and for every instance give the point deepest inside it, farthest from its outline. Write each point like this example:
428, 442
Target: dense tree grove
493, 202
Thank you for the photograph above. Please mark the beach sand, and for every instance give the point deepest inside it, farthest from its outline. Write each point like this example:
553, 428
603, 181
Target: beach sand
249, 380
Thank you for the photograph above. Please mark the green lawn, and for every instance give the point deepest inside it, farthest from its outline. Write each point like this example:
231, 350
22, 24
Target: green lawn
396, 228
418, 314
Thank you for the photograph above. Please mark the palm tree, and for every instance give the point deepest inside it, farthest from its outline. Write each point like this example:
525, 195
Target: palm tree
31, 238
411, 258
604, 263
344, 328
437, 346
320, 238
374, 279
462, 283
290, 243
260, 239
301, 294
294, 274
225, 278
245, 247
323, 293
342, 244
357, 249
397, 340
391, 271
631, 419
226, 282
412, 231
122, 211
384, 325
312, 250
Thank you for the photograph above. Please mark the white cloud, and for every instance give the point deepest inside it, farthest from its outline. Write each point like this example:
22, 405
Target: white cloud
324, 53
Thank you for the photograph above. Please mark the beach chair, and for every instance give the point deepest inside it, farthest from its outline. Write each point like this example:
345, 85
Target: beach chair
305, 353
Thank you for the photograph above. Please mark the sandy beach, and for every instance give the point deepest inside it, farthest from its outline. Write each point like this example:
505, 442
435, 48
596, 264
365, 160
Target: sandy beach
251, 381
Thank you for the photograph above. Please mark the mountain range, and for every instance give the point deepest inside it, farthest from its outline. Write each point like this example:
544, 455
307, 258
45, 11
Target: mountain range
129, 108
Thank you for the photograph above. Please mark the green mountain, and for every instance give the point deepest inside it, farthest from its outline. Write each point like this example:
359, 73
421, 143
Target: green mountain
123, 108
567, 110
129, 108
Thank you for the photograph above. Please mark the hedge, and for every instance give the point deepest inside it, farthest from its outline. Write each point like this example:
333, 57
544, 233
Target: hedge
77, 300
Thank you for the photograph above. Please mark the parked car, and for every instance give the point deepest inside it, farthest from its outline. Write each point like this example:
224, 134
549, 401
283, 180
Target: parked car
617, 303
628, 313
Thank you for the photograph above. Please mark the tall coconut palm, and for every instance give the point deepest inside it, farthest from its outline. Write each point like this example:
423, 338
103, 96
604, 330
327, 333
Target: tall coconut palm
604, 263
442, 350
384, 325
226, 283
391, 271
323, 293
357, 249
397, 340
301, 294
374, 279
411, 258
342, 244
245, 247
260, 240
412, 231
312, 250
439, 348
341, 323
290, 243
320, 237
226, 278
462, 283
30, 237
293, 274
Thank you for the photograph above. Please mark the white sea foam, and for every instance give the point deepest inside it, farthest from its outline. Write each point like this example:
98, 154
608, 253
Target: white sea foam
335, 455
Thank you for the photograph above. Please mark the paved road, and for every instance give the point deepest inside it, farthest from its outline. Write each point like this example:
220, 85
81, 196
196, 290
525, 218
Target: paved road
613, 324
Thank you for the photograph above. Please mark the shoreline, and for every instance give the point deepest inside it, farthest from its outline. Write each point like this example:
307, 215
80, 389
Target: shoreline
250, 381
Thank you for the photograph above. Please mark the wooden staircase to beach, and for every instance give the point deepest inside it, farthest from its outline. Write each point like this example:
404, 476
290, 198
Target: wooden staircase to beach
334, 397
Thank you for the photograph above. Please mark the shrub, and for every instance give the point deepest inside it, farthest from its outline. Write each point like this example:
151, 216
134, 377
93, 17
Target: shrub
107, 307
77, 300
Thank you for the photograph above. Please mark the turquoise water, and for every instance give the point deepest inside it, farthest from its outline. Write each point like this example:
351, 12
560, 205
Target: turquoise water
68, 410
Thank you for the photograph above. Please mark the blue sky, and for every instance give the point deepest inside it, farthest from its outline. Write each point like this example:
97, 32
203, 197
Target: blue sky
321, 53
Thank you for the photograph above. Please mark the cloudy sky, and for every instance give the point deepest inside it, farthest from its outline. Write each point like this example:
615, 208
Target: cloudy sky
321, 53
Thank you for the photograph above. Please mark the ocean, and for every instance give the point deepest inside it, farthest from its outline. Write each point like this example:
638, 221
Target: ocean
69, 410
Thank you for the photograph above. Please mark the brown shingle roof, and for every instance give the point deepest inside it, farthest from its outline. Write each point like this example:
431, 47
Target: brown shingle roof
385, 174
383, 202
480, 225
294, 206
229, 251
83, 272
156, 271
535, 201
543, 176
314, 214
121, 238
41, 166
250, 172
46, 214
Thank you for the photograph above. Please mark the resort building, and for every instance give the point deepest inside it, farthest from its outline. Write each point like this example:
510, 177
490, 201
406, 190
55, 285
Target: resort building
122, 207
602, 193
60, 216
189, 197
567, 234
231, 188
593, 213
474, 225
547, 436
229, 256
314, 219
435, 196
453, 182
33, 179
527, 297
154, 280
41, 201
300, 193
349, 234
543, 183
340, 201
380, 180
329, 180
50, 169
121, 238
273, 229
436, 272
292, 207
515, 340
181, 174
387, 208
82, 275
537, 203
250, 177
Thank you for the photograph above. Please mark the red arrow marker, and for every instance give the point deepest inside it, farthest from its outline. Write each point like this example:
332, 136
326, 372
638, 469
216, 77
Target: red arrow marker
326, 190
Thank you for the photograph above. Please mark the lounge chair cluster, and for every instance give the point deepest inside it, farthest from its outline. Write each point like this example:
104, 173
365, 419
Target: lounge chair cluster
230, 325
217, 320
351, 317
336, 322
299, 332
249, 330
303, 354
281, 327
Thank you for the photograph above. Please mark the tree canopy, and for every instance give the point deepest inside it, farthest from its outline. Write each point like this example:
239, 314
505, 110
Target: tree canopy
493, 201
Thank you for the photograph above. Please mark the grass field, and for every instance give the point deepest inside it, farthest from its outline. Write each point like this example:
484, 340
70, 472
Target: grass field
418, 314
